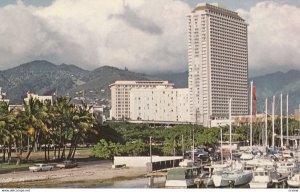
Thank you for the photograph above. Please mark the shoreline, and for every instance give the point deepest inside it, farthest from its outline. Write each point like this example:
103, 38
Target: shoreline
96, 172
56, 183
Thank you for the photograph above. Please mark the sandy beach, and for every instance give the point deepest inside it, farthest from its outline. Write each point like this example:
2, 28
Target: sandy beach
94, 171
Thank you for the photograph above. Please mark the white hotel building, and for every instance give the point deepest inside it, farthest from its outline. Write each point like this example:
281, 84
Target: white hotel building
218, 63
148, 101
160, 104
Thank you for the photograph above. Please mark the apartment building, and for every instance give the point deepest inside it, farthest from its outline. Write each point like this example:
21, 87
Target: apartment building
218, 63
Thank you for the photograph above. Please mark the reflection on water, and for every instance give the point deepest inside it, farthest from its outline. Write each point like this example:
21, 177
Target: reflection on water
158, 182
144, 182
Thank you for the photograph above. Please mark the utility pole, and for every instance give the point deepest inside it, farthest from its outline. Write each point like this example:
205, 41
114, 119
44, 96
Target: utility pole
251, 112
266, 122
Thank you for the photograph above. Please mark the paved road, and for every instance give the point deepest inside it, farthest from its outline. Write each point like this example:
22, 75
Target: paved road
81, 163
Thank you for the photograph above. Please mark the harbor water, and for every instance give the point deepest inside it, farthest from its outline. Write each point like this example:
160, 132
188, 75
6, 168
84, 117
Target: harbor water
142, 182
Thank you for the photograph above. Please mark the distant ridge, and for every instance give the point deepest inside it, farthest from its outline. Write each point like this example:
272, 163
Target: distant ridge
44, 77
275, 84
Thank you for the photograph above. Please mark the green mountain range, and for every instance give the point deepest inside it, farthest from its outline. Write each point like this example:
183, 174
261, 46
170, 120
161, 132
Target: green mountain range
45, 78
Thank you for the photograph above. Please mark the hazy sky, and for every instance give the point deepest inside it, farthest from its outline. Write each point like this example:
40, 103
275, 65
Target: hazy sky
142, 35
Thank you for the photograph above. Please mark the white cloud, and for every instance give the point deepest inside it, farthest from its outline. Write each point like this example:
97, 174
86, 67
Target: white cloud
273, 34
139, 34
143, 35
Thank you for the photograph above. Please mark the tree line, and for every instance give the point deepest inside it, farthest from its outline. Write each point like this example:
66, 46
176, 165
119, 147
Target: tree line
44, 125
133, 139
60, 126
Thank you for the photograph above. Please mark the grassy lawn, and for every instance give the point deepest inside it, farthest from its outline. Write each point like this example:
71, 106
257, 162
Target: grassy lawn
5, 166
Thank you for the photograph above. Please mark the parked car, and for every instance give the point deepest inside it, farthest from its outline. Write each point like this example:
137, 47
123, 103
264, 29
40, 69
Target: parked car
41, 167
67, 164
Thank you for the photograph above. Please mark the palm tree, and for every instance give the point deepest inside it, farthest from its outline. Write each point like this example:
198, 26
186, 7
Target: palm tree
4, 132
8, 129
62, 111
46, 136
33, 118
82, 123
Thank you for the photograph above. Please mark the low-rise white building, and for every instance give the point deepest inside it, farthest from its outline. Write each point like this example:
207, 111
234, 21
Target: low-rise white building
38, 97
149, 101
159, 104
120, 96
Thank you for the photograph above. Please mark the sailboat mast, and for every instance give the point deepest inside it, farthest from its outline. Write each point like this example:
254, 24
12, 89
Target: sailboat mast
266, 122
193, 147
230, 129
287, 120
281, 136
273, 128
251, 113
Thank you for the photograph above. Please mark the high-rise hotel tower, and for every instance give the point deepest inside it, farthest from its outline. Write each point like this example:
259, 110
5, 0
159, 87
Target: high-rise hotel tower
218, 63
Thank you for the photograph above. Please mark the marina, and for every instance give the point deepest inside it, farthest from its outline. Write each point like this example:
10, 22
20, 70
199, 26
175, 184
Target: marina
254, 167
230, 175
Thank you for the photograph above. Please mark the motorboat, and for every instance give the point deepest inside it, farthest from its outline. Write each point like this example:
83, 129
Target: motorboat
182, 177
265, 177
261, 162
246, 156
294, 181
287, 167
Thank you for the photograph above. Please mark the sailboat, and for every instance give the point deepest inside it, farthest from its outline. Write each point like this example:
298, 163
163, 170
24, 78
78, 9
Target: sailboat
234, 175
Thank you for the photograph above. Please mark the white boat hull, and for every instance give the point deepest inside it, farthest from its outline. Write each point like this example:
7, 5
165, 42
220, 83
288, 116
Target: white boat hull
209, 182
179, 183
219, 181
259, 185
292, 183
234, 180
